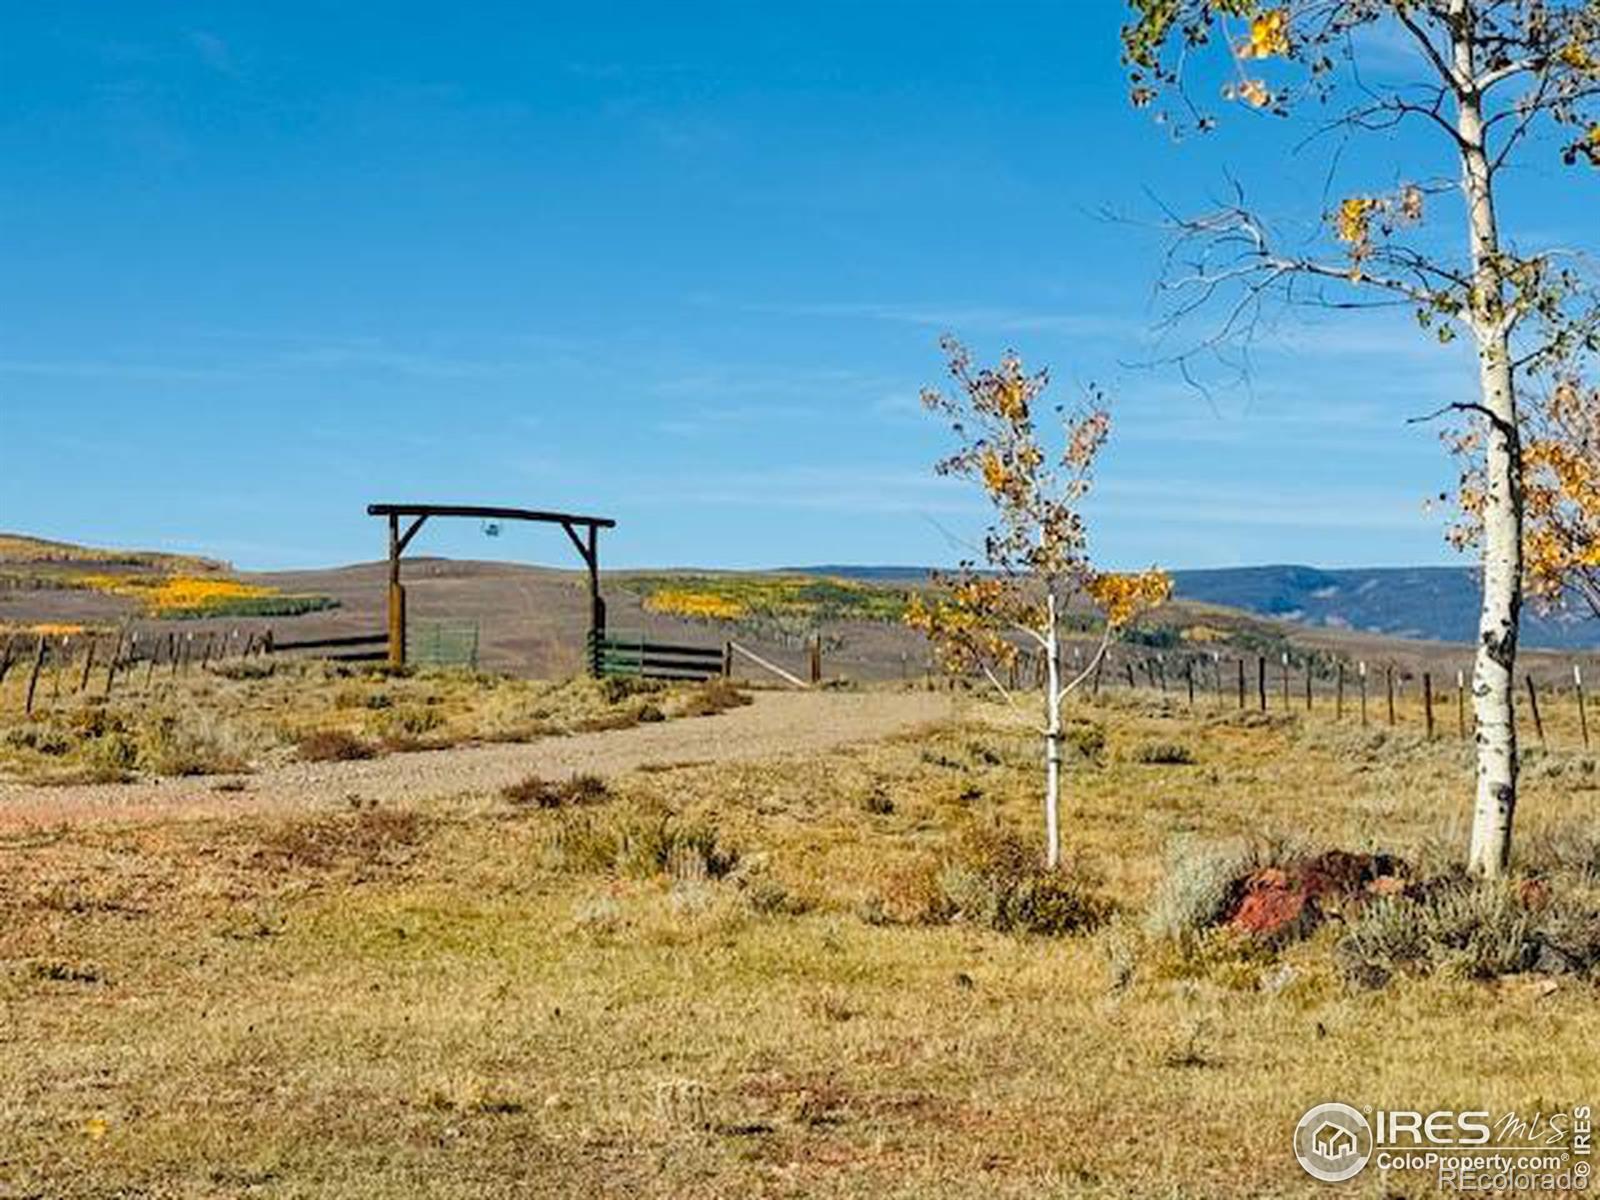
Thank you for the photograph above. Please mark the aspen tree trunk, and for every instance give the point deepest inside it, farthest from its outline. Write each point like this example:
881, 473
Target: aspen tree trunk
1052, 739
1494, 669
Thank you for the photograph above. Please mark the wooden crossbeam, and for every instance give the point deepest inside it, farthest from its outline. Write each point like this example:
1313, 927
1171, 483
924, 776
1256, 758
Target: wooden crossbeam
488, 513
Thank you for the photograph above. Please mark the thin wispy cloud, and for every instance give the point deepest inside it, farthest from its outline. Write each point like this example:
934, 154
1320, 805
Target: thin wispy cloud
845, 489
958, 318
125, 372
380, 358
1203, 502
733, 419
729, 396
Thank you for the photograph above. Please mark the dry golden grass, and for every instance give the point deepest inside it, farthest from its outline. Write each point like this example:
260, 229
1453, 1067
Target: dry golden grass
260, 712
437, 1002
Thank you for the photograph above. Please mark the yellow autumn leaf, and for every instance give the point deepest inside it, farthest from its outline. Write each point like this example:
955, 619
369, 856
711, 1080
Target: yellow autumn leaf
995, 476
1254, 93
1124, 596
1577, 57
1353, 226
1269, 35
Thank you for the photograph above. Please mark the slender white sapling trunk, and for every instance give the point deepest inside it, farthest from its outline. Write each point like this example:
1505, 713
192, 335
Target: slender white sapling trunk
1494, 668
1052, 738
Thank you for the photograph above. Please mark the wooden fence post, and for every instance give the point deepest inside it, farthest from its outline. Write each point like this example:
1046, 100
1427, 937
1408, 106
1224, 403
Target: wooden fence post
1362, 671
1188, 674
88, 664
33, 677
1240, 665
1583, 714
1388, 683
1338, 691
1284, 679
116, 658
1308, 685
1261, 680
1216, 674
1533, 702
727, 661
1131, 682
5, 657
57, 661
1427, 702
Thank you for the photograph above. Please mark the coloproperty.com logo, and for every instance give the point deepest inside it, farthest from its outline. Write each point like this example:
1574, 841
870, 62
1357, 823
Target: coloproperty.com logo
1467, 1150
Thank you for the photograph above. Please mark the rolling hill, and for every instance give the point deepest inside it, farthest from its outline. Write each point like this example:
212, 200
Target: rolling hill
1437, 604
1433, 603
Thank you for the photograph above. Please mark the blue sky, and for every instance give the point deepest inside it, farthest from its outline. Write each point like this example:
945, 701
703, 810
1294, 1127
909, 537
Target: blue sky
684, 265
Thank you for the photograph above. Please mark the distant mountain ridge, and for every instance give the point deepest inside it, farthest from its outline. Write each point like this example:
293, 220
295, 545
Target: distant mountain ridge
1435, 603
1432, 603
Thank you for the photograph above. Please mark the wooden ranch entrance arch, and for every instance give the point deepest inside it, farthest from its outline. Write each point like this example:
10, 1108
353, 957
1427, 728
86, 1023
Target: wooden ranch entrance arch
587, 544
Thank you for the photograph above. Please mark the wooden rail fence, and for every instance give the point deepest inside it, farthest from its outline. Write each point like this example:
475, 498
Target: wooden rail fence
361, 647
611, 655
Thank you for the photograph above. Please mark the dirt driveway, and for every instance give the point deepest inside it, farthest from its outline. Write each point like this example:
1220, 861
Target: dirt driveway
777, 724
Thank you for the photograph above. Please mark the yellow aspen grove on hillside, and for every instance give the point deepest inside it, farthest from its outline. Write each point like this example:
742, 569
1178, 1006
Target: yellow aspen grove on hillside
1496, 83
1036, 559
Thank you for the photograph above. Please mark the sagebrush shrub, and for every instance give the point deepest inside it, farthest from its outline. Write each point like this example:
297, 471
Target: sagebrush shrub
193, 743
1086, 740
713, 696
409, 721
1163, 754
541, 793
1572, 850
640, 845
111, 757
332, 745
1473, 929
244, 668
991, 878
1199, 885
616, 688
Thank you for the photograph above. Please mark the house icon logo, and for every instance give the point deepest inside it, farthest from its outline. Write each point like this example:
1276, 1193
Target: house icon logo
1333, 1142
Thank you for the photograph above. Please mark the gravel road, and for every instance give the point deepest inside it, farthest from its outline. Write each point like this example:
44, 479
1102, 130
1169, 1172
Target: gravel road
776, 725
